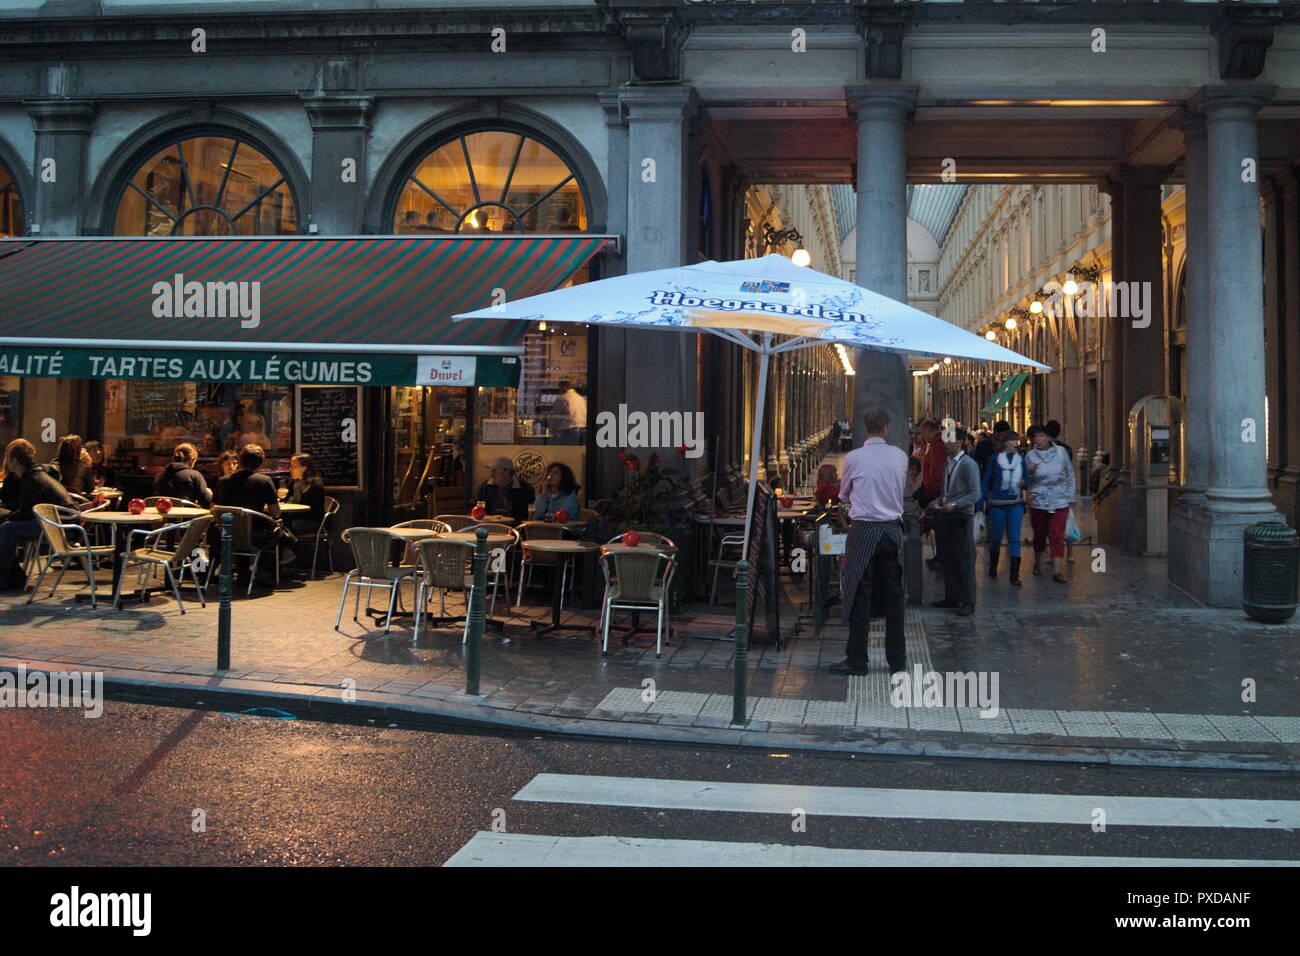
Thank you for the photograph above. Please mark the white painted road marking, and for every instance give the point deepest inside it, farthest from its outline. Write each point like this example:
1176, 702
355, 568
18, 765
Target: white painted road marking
910, 804
523, 849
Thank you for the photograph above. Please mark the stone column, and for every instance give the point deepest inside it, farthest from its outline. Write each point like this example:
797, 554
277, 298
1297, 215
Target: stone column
340, 128
1197, 387
63, 128
1113, 420
1197, 301
1289, 321
1237, 495
881, 114
1143, 339
658, 367
610, 387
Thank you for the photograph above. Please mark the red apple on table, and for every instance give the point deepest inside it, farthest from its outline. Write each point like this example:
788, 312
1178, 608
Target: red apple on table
632, 539
787, 502
136, 506
562, 516
478, 512
164, 505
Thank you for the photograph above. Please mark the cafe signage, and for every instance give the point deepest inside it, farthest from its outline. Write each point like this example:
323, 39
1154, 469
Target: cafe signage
285, 368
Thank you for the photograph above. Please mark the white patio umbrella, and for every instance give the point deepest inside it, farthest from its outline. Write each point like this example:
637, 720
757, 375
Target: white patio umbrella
749, 302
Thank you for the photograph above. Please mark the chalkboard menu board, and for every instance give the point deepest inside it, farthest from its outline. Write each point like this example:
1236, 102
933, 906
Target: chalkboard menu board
327, 416
762, 554
151, 404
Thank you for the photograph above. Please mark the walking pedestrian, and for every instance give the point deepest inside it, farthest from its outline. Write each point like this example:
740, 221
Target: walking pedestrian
872, 484
955, 513
932, 466
989, 445
1003, 501
1051, 492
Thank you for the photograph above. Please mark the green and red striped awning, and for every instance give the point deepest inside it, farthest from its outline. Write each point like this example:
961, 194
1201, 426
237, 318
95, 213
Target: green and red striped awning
382, 293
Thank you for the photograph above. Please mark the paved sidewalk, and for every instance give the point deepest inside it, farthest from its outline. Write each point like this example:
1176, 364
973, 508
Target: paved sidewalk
1114, 662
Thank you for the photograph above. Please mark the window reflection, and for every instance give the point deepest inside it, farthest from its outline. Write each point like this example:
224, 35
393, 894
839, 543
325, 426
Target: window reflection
206, 186
491, 181
11, 205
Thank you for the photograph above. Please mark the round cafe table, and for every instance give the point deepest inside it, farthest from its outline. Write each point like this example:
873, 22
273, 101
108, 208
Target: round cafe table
621, 548
289, 508
412, 534
179, 513
470, 538
566, 551
147, 518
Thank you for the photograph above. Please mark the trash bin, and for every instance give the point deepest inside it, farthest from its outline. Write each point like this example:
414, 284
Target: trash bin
1268, 574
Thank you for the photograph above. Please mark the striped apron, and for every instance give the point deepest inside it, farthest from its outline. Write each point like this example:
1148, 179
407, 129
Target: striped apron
864, 538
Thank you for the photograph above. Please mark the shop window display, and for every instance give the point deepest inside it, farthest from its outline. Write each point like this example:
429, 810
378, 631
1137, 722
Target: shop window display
429, 428
11, 418
145, 421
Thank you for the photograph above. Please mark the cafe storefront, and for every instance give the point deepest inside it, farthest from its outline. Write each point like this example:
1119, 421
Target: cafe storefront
340, 347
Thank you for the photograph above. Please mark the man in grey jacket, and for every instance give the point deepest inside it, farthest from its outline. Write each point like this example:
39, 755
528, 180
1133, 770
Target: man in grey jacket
955, 508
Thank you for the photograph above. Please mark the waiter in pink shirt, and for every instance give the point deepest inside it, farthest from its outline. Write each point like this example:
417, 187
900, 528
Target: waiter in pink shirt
873, 482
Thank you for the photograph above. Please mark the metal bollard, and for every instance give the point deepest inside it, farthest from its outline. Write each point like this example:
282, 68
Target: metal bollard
223, 615
742, 641
474, 644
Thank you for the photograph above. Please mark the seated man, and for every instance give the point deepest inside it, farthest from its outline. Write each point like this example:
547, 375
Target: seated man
26, 485
503, 493
247, 488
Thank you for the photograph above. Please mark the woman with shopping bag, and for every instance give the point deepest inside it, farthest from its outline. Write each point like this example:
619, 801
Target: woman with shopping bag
1003, 502
1051, 492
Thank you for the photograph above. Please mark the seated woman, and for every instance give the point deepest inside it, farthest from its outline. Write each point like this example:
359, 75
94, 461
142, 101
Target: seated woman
306, 487
69, 468
101, 475
828, 485
227, 464
559, 492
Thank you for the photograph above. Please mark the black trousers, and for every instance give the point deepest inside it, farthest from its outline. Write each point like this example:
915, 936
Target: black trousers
881, 586
957, 554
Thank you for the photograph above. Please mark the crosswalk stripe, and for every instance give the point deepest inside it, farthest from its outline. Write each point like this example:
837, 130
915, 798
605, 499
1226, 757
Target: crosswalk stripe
524, 849
910, 804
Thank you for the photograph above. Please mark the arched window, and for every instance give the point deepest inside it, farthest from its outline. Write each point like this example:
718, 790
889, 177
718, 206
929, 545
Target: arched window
207, 185
12, 220
490, 181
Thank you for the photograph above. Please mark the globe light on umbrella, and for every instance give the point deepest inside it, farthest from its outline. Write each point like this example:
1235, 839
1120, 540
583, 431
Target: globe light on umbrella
801, 258
1036, 308
1070, 287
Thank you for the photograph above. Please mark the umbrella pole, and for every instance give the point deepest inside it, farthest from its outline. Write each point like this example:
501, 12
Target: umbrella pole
755, 445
